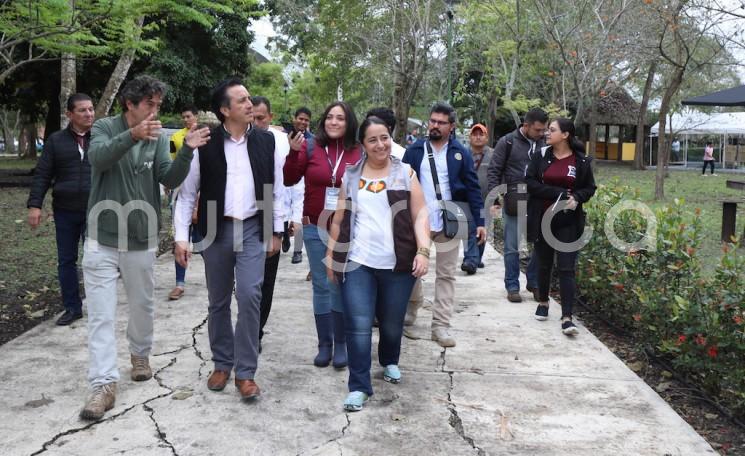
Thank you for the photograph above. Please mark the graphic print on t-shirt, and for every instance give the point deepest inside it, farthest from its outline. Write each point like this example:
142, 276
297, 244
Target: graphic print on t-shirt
373, 186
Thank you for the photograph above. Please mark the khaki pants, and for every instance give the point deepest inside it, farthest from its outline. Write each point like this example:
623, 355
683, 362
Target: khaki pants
446, 251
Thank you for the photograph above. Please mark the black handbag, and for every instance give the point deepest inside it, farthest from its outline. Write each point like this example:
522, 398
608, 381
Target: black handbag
514, 195
455, 214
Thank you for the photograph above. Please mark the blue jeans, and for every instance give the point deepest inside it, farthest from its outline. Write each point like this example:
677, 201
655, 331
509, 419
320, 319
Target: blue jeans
472, 251
326, 296
369, 293
180, 270
70, 229
512, 257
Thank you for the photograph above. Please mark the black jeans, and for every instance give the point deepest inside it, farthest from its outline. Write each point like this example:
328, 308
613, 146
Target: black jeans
70, 230
706, 163
565, 264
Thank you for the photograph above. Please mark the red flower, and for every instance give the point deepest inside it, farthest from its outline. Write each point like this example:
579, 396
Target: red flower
681, 339
737, 319
618, 286
637, 317
700, 340
713, 351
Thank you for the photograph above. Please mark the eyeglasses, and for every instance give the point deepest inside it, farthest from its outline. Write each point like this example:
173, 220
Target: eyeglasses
439, 123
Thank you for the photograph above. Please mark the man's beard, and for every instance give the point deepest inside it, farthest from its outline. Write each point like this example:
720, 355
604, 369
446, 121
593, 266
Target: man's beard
435, 134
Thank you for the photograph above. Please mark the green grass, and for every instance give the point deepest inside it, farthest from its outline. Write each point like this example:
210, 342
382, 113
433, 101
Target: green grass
17, 163
697, 192
28, 259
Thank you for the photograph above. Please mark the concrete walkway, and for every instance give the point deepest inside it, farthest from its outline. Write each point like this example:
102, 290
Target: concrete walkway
512, 385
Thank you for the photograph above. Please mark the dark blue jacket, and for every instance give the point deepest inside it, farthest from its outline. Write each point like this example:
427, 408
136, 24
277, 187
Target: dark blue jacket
464, 184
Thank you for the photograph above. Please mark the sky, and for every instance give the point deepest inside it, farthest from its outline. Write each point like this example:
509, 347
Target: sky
262, 30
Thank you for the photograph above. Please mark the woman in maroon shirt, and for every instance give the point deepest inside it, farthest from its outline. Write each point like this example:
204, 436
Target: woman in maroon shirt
559, 181
335, 146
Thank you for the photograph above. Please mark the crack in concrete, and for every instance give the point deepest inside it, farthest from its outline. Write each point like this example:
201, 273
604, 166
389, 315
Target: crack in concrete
194, 344
455, 421
45, 446
151, 411
345, 428
173, 352
334, 440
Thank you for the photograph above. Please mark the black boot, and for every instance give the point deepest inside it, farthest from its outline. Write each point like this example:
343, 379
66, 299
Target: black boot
340, 341
324, 327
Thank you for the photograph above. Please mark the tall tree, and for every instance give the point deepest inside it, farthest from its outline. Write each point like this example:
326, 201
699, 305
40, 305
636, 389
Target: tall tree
690, 40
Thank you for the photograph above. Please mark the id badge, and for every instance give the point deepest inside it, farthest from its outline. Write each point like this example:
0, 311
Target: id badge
332, 197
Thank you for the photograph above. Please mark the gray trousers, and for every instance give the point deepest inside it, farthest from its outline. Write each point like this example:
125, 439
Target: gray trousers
102, 266
242, 266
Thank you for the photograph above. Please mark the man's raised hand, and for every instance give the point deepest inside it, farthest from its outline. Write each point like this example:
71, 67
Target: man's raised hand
148, 129
197, 138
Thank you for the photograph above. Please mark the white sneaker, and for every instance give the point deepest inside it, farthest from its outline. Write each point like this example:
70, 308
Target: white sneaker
442, 336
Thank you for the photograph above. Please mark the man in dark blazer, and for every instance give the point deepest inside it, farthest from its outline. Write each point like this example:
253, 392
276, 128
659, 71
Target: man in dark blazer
457, 183
64, 166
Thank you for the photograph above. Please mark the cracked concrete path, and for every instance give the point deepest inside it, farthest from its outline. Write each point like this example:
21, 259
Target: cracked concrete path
512, 386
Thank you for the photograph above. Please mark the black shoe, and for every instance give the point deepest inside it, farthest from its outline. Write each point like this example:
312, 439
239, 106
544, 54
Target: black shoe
468, 268
541, 313
481, 265
533, 290
569, 328
285, 242
68, 317
297, 257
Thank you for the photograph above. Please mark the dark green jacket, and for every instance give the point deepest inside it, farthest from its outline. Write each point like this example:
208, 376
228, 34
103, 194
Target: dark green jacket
125, 177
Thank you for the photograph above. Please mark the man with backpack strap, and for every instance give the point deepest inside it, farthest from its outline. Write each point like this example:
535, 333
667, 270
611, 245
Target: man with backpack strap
508, 164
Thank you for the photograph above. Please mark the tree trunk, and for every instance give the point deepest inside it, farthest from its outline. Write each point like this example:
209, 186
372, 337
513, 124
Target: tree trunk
641, 121
492, 121
117, 76
27, 140
592, 148
510, 86
67, 85
662, 146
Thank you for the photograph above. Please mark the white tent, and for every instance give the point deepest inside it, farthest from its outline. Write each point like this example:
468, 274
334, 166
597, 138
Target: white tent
690, 123
698, 123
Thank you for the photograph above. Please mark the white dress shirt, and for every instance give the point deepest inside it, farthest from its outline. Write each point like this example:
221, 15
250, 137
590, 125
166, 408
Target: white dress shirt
397, 150
428, 185
240, 194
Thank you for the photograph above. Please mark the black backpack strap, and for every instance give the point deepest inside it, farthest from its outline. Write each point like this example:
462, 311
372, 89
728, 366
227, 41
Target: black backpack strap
433, 169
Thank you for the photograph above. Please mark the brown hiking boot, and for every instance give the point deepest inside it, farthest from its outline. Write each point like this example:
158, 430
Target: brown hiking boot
140, 368
100, 401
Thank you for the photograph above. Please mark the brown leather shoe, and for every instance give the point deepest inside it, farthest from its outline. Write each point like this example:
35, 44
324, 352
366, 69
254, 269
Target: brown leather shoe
218, 379
176, 294
248, 388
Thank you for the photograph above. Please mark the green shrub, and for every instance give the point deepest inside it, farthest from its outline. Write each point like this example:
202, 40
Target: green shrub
662, 296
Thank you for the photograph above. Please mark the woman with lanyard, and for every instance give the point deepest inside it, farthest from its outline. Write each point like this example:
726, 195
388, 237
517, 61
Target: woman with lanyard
377, 272
559, 181
322, 165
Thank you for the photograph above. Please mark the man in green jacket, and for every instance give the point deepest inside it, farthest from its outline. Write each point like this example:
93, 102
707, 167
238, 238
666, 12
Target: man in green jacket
129, 160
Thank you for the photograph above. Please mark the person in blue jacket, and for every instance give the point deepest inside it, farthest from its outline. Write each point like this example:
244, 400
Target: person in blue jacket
456, 179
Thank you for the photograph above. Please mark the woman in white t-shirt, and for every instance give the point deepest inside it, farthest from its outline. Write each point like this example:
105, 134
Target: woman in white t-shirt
379, 245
